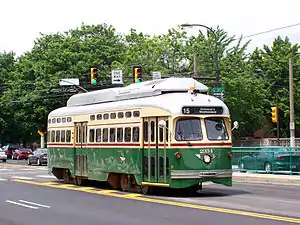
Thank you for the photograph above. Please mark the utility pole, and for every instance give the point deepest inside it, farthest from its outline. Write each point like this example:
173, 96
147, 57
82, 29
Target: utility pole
292, 123
196, 73
277, 110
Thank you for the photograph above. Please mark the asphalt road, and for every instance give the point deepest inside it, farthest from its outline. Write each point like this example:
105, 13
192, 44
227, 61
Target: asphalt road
66, 207
30, 196
15, 162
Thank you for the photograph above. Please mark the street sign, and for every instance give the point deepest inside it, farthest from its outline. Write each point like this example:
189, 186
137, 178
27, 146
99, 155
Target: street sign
69, 81
217, 89
219, 95
156, 75
116, 77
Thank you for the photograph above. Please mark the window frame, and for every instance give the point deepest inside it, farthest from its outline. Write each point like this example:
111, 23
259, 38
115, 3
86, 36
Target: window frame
188, 118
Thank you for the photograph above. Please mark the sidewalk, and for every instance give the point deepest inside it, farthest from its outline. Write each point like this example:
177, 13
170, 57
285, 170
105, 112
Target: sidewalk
261, 178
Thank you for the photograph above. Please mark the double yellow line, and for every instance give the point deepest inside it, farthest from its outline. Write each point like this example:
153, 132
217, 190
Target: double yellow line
139, 197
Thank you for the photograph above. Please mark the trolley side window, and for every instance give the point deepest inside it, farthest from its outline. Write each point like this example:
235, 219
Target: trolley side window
92, 135
98, 135
53, 136
216, 128
63, 136
188, 129
127, 136
112, 134
68, 136
57, 139
105, 135
135, 134
120, 134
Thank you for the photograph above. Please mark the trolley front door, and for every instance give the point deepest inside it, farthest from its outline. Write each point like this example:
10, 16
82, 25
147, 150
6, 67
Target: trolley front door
155, 165
80, 149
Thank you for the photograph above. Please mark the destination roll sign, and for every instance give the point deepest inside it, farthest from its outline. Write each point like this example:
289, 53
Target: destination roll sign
201, 110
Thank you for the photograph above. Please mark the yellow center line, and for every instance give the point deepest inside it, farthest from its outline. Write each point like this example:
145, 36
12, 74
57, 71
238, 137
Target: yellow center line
137, 197
133, 195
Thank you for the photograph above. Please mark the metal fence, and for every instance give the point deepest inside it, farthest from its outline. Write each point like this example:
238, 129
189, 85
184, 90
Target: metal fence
267, 159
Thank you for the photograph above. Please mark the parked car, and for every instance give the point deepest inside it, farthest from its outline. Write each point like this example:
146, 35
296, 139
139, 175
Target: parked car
3, 156
9, 149
21, 153
38, 157
271, 159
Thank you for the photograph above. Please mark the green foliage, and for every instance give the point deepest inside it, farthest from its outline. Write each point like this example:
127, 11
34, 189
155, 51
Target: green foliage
272, 65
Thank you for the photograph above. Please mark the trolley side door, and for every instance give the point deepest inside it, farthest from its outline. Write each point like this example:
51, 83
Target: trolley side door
80, 144
155, 163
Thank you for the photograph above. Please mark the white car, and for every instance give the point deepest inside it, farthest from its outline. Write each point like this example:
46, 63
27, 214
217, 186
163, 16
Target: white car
3, 156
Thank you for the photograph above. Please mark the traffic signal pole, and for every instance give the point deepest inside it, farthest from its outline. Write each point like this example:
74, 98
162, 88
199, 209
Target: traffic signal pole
292, 123
277, 110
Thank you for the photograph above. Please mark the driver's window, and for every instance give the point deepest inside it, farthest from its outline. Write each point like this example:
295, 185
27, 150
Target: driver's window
216, 128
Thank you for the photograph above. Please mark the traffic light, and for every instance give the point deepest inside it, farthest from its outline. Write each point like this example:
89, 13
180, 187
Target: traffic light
137, 74
274, 114
94, 75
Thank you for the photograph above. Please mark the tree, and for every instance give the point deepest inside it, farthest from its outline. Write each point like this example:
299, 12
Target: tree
272, 65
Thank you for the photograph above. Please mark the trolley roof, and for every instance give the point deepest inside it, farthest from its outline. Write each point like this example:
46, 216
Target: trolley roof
137, 90
173, 95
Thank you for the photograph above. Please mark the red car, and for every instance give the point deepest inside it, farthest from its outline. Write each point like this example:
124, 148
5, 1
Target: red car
21, 153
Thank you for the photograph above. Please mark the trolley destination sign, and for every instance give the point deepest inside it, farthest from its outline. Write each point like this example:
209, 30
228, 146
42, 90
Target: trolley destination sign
201, 110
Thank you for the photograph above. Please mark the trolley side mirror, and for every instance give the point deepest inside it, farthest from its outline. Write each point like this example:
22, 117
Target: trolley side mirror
235, 125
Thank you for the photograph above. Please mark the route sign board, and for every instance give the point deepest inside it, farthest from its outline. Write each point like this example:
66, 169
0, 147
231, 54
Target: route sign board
116, 77
156, 75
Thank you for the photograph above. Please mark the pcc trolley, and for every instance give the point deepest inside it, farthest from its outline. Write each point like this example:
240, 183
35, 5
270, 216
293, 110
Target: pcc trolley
166, 132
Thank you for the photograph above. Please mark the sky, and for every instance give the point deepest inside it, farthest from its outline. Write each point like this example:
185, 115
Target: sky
22, 21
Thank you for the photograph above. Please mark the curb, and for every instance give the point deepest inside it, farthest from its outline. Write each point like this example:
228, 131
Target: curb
266, 179
18, 166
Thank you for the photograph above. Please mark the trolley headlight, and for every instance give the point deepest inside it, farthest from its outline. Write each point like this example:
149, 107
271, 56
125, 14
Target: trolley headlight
207, 159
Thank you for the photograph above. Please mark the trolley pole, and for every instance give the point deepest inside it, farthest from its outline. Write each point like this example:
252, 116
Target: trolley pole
292, 123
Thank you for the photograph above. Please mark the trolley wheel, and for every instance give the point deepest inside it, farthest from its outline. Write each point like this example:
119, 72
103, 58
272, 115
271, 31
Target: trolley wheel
66, 177
79, 181
124, 182
192, 190
200, 186
145, 189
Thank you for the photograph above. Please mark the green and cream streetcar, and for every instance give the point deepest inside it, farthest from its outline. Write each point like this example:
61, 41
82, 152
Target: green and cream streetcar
165, 132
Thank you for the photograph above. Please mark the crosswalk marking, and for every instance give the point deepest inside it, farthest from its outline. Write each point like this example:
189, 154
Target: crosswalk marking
22, 178
20, 204
12, 172
45, 176
41, 168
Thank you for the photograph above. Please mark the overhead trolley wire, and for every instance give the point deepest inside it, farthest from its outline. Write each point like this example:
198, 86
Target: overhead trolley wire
269, 31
